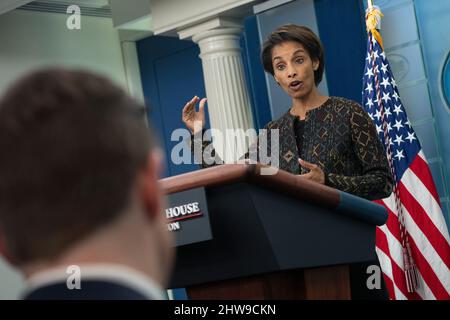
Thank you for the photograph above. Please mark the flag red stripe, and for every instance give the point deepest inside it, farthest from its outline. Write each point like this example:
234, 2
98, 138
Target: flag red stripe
392, 224
427, 272
423, 221
397, 272
400, 279
422, 264
425, 269
389, 286
422, 171
382, 244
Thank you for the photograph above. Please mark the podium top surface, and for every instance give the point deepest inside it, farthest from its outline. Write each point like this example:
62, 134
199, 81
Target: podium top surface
279, 181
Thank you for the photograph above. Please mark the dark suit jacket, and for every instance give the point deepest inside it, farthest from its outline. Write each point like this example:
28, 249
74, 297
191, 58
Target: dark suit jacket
90, 290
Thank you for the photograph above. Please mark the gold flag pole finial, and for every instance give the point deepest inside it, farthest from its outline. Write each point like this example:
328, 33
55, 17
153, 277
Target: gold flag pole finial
373, 18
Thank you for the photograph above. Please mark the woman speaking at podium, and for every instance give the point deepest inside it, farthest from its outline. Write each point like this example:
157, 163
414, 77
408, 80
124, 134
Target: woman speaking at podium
329, 140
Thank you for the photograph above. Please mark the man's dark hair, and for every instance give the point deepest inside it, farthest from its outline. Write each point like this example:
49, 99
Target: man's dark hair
71, 146
300, 34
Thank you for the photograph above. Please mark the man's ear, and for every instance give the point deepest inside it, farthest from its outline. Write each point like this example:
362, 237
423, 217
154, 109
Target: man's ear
149, 191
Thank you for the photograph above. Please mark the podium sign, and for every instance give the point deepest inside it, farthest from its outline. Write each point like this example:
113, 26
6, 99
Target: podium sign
187, 216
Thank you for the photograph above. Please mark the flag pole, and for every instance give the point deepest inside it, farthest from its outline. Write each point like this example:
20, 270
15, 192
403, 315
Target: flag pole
370, 4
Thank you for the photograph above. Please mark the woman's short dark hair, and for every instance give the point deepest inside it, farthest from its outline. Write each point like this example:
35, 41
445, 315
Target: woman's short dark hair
300, 34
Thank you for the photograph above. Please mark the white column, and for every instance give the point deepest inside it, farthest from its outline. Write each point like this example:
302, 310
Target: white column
132, 72
226, 90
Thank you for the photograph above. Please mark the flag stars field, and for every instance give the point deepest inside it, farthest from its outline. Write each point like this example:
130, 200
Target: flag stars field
385, 83
410, 137
398, 139
387, 112
399, 155
398, 124
397, 108
386, 97
395, 96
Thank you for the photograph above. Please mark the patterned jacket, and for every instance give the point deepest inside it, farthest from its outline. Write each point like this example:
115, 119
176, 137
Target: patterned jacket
341, 139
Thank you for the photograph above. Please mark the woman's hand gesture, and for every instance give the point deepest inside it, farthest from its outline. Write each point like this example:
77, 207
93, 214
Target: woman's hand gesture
194, 120
315, 173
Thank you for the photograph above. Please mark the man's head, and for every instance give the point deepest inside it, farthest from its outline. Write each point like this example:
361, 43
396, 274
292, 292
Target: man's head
76, 156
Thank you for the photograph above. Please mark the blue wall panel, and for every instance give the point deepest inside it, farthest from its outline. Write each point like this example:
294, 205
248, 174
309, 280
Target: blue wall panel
251, 48
171, 75
342, 31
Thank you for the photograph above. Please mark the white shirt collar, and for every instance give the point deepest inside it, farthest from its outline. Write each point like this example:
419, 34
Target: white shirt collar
113, 272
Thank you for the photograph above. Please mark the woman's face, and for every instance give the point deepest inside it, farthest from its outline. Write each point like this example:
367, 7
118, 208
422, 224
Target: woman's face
293, 68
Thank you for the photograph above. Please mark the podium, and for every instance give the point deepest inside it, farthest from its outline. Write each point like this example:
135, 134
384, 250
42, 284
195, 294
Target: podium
273, 236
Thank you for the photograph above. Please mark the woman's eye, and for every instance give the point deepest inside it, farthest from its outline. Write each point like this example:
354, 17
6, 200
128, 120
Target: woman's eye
299, 60
280, 67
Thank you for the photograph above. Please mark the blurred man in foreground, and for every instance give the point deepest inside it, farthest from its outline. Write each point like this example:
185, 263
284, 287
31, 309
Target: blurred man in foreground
80, 209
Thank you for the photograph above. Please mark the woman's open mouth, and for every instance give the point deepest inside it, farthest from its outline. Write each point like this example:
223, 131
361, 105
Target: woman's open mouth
295, 85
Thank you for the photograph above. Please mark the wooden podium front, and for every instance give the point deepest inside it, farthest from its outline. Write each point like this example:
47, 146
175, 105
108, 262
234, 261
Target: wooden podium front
273, 236
326, 283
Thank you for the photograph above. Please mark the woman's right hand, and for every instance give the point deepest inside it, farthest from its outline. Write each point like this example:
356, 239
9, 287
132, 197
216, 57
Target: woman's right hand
194, 120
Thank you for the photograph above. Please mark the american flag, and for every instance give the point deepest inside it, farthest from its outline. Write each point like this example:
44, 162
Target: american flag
413, 246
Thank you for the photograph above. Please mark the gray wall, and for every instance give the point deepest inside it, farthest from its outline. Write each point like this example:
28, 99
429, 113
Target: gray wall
433, 20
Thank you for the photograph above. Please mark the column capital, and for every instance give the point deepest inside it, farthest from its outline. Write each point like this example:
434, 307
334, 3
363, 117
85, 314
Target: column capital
230, 32
220, 42
216, 24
